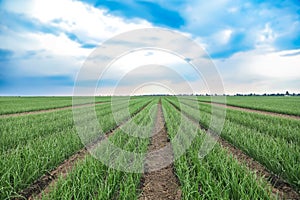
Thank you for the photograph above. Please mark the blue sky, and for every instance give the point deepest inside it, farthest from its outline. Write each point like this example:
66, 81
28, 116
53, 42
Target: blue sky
254, 44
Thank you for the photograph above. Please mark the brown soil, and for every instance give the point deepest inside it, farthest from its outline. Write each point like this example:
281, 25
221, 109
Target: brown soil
279, 187
44, 111
44, 184
160, 184
255, 111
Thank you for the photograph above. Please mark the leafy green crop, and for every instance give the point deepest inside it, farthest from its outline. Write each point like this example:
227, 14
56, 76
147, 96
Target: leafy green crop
278, 151
30, 149
92, 179
216, 176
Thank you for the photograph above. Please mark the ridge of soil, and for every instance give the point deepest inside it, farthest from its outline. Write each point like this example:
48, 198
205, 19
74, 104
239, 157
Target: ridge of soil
162, 183
279, 187
44, 183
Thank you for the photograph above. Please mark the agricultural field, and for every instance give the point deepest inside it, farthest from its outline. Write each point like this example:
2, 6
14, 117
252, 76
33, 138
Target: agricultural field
256, 155
278, 104
11, 105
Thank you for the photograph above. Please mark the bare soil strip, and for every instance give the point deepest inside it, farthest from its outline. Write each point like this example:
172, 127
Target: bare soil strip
254, 111
160, 184
46, 110
279, 186
44, 183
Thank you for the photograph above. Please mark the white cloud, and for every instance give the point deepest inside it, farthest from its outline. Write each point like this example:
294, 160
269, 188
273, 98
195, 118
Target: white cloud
232, 9
221, 37
87, 22
265, 37
57, 53
261, 71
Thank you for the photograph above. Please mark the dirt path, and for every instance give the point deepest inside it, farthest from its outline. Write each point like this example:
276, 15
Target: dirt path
160, 184
44, 183
254, 111
45, 110
279, 187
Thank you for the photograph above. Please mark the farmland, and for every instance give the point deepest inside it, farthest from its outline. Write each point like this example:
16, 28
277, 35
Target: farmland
256, 157
281, 104
11, 105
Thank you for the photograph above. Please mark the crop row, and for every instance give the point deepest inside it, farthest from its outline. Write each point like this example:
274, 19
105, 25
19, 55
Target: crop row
285, 105
11, 105
91, 179
277, 127
35, 144
18, 131
277, 151
216, 176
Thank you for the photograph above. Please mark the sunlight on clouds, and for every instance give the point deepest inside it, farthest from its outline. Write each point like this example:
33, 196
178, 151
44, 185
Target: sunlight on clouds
57, 53
89, 23
59, 45
222, 37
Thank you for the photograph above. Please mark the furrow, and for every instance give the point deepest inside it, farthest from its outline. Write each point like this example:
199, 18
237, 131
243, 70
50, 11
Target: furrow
162, 183
43, 184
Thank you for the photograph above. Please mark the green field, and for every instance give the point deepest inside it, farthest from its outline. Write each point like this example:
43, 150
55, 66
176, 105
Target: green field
34, 144
278, 104
25, 104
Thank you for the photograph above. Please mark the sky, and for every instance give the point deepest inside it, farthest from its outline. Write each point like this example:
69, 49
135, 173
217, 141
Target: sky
254, 44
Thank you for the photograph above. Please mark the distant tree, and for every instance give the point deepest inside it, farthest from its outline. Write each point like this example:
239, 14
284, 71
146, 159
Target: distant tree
287, 93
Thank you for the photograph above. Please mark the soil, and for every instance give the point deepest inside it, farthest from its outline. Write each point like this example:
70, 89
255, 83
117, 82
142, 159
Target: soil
280, 187
160, 184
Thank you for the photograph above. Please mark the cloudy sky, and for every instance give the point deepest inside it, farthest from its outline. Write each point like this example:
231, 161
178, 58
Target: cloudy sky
254, 44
